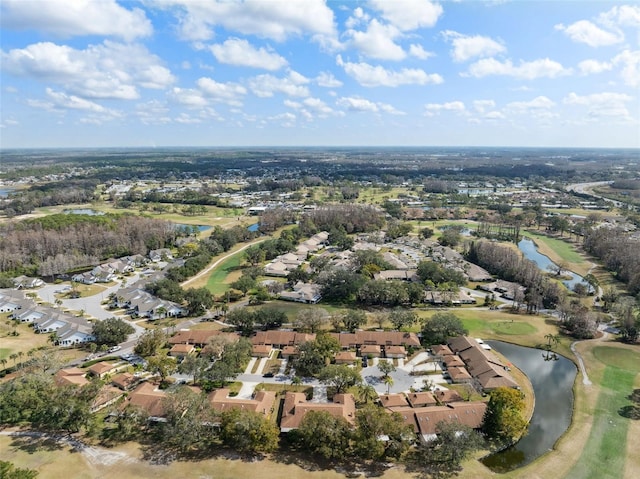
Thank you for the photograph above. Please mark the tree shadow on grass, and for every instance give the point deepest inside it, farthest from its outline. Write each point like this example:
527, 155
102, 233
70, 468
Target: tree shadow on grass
33, 444
630, 412
432, 471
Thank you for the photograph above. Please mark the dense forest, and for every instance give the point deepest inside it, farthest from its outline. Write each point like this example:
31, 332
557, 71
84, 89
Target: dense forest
60, 243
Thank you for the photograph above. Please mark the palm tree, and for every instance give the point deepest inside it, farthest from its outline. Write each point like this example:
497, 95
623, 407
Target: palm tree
367, 393
388, 380
3, 361
551, 338
13, 357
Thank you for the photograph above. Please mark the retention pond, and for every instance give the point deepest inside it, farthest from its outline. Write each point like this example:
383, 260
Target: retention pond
552, 378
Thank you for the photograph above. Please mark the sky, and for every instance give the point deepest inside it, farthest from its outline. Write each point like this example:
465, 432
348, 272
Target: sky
153, 73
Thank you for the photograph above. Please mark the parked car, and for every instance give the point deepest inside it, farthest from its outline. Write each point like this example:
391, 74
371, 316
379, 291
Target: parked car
113, 349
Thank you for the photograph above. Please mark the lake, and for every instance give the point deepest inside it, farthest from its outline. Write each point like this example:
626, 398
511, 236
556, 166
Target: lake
83, 211
201, 228
552, 383
530, 251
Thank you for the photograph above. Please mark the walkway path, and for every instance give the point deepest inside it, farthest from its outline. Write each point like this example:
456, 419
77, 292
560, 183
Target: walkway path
585, 378
208, 269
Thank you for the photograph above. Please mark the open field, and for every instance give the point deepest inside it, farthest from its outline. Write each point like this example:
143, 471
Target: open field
25, 341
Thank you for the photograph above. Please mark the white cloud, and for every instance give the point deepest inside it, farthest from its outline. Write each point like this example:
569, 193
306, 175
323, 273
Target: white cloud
318, 106
629, 62
605, 104
588, 67
378, 41
418, 51
109, 70
230, 93
372, 76
408, 14
286, 119
186, 119
357, 104
525, 70
266, 86
540, 102
240, 52
277, 20
65, 18
482, 106
494, 115
623, 15
467, 47
327, 80
153, 112
73, 102
188, 97
583, 31
390, 109
432, 109
357, 18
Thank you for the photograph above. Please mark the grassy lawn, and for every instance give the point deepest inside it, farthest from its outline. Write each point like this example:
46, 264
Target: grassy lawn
560, 251
603, 455
218, 282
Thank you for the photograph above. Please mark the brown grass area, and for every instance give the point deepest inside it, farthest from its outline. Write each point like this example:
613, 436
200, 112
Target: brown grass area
24, 342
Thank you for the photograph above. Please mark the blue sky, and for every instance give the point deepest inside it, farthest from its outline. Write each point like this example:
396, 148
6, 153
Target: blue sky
94, 73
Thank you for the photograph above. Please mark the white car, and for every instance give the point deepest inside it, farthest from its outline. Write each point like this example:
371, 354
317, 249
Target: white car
114, 349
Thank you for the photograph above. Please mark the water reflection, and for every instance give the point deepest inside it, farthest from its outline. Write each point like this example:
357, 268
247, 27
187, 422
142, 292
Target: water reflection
552, 382
530, 251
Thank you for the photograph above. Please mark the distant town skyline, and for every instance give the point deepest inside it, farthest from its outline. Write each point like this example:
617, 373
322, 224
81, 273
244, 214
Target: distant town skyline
155, 73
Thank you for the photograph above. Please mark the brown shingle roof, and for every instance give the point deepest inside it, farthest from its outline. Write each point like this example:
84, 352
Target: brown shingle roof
262, 401
180, 349
441, 350
446, 396
422, 399
281, 338
147, 397
393, 401
101, 368
296, 407
124, 380
453, 361
466, 413
71, 376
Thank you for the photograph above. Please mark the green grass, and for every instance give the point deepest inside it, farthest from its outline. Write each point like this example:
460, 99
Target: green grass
619, 358
604, 454
4, 353
512, 327
217, 281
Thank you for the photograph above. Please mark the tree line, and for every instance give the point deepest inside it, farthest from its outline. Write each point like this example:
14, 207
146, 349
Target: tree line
509, 265
61, 243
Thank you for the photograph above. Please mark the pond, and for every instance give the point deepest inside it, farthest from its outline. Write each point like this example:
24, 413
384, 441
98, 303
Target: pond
552, 383
201, 228
530, 251
4, 192
253, 227
83, 211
